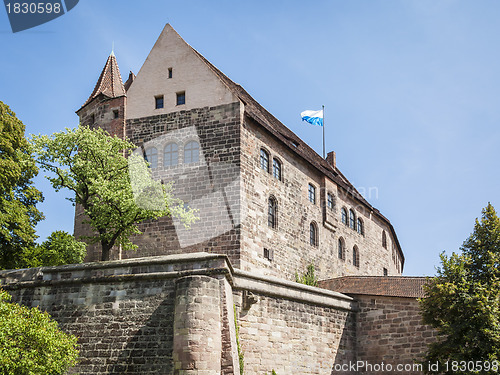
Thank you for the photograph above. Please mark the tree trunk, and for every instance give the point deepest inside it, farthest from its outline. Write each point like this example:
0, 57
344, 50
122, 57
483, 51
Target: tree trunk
105, 251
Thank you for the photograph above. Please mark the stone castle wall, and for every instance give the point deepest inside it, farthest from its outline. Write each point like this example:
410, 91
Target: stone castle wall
290, 240
390, 330
210, 185
175, 315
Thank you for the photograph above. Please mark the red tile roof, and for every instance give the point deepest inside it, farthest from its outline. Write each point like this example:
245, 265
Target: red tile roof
391, 286
110, 81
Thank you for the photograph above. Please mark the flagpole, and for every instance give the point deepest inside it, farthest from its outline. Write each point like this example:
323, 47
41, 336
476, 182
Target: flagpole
323, 132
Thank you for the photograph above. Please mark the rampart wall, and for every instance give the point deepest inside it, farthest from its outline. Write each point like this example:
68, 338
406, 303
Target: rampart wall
175, 315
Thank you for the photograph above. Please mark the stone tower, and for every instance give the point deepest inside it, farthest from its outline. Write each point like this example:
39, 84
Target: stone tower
105, 108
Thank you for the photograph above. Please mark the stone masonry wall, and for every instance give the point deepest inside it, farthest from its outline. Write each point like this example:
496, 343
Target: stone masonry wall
146, 316
390, 330
174, 315
210, 185
291, 336
290, 240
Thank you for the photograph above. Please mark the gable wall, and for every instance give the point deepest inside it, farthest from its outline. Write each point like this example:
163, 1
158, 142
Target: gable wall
189, 74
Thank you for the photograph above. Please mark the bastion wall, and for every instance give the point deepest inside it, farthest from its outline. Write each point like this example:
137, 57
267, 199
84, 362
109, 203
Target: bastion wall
176, 315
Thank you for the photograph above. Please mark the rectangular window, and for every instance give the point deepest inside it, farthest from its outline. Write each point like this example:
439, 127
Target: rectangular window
312, 194
116, 113
330, 201
181, 98
385, 272
159, 101
169, 72
269, 254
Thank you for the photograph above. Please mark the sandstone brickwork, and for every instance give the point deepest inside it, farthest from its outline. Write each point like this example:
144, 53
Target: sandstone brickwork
390, 331
175, 315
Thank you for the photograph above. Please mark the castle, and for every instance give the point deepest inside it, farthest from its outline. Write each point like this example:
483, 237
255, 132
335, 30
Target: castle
264, 197
221, 295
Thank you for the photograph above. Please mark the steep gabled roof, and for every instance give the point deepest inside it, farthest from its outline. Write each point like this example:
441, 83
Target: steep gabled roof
110, 82
264, 118
390, 286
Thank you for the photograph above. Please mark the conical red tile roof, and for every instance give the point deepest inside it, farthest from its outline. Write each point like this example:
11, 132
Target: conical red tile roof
110, 81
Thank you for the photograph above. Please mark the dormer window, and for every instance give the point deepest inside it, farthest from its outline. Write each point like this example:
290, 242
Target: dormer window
159, 101
181, 98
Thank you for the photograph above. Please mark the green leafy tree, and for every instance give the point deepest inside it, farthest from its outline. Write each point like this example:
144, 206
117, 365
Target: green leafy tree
18, 196
307, 278
463, 302
59, 248
31, 343
112, 184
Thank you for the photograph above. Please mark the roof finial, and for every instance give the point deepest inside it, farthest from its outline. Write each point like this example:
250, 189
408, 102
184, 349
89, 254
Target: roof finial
112, 49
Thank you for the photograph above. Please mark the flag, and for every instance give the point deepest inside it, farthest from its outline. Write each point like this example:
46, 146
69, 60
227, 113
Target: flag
313, 117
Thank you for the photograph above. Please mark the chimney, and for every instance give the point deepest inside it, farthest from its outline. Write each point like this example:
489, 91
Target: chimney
331, 159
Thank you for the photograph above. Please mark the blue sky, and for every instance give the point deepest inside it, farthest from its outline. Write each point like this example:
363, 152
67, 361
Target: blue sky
411, 90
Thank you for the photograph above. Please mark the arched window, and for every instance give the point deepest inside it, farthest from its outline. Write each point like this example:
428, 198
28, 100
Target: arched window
152, 157
344, 215
272, 213
355, 256
341, 248
171, 155
384, 240
360, 228
313, 234
352, 219
191, 152
277, 169
264, 160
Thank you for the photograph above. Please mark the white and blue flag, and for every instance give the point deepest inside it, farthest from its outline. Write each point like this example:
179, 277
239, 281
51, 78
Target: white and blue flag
313, 117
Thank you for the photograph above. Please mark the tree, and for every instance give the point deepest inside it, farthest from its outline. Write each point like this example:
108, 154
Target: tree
463, 302
31, 343
307, 278
18, 196
112, 184
59, 248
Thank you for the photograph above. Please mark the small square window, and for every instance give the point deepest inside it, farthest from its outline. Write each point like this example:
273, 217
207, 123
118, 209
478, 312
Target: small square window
116, 114
159, 102
181, 98
269, 254
169, 72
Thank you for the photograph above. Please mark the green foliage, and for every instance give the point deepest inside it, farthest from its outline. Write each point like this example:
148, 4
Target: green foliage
59, 248
463, 301
97, 169
31, 343
307, 278
18, 196
241, 356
